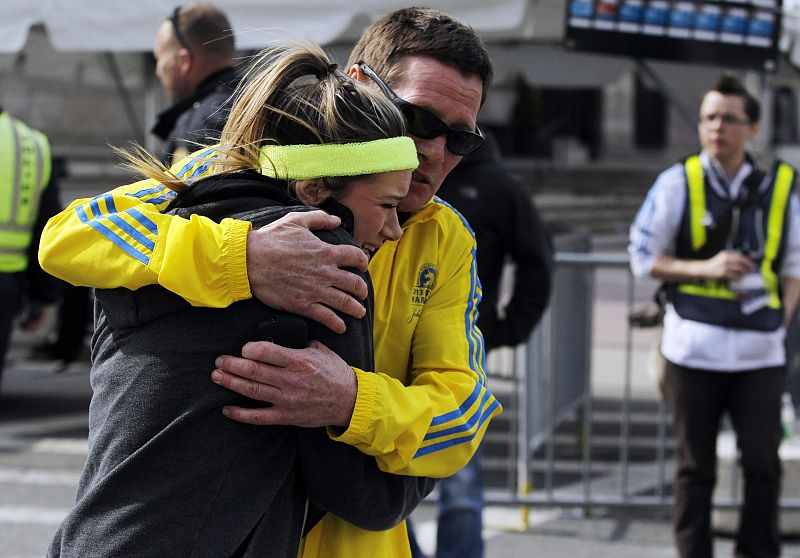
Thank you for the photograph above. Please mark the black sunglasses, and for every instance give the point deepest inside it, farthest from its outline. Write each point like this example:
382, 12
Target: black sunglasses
176, 28
426, 125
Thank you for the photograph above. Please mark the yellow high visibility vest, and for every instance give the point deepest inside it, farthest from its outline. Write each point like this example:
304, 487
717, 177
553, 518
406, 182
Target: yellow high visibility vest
25, 168
724, 311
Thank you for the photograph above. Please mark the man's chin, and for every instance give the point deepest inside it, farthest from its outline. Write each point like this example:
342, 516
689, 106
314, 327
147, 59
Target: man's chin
418, 195
412, 204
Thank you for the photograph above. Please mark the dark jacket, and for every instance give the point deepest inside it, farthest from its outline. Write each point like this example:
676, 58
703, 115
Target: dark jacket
199, 118
499, 208
167, 474
41, 287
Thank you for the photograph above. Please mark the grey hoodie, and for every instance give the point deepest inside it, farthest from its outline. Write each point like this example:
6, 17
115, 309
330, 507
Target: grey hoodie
167, 474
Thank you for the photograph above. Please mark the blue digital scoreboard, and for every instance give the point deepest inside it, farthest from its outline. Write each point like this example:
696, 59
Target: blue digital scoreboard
734, 33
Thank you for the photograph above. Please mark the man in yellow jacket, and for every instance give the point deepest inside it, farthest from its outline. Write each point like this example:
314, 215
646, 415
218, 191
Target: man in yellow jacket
426, 409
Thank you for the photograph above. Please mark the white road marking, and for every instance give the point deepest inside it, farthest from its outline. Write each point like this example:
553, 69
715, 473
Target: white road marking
64, 446
41, 477
30, 515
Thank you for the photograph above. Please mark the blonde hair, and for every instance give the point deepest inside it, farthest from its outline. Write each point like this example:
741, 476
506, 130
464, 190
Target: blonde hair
290, 95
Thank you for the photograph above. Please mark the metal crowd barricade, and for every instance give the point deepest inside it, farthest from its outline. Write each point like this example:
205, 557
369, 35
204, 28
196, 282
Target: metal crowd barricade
553, 372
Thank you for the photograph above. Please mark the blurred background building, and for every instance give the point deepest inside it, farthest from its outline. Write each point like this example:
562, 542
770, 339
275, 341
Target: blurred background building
575, 114
591, 100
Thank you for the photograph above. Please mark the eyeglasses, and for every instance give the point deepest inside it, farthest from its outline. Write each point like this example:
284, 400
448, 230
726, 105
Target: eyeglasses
726, 118
176, 28
426, 125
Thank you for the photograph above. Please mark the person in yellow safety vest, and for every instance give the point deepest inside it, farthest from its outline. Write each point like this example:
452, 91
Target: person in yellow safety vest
426, 410
724, 236
28, 197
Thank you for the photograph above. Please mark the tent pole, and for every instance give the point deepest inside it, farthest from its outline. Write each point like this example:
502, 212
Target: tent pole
686, 114
127, 103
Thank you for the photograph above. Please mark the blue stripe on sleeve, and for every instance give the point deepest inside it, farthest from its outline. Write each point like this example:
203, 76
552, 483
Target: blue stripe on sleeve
95, 205
477, 358
110, 205
456, 441
132, 232
475, 340
147, 191
200, 170
440, 201
447, 417
193, 162
113, 237
142, 220
465, 426
160, 200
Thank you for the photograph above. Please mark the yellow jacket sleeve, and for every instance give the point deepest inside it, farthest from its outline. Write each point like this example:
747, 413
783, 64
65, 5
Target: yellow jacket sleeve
121, 239
427, 410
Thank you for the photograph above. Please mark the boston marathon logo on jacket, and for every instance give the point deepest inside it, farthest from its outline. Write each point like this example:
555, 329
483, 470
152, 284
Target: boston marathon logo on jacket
426, 280
754, 224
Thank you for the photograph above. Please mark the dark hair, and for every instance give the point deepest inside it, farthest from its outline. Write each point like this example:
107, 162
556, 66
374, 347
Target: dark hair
730, 85
206, 29
427, 32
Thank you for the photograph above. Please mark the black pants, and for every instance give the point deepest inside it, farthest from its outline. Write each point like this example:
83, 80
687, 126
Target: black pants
752, 399
74, 314
10, 294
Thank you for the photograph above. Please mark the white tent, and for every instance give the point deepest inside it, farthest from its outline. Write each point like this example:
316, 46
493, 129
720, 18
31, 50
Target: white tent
524, 39
97, 39
125, 25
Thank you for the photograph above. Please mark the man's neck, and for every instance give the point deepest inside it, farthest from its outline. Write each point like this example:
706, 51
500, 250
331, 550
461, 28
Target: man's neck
731, 166
207, 70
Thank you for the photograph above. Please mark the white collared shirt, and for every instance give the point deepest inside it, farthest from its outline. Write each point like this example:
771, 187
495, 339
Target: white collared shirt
654, 232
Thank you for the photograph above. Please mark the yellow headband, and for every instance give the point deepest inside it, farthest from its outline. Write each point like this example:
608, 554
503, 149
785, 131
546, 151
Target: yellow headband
303, 162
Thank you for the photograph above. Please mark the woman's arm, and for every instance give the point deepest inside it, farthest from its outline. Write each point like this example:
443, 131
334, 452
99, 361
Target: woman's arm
121, 239
347, 483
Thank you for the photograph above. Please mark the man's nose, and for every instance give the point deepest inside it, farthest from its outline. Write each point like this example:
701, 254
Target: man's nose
432, 150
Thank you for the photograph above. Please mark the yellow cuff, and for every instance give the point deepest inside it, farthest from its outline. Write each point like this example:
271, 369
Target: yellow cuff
235, 246
365, 403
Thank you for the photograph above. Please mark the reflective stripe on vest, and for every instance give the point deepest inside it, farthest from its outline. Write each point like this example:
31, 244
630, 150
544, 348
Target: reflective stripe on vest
697, 201
784, 176
24, 173
777, 212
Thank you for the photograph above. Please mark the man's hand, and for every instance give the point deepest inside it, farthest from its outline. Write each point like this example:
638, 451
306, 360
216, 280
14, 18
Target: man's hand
727, 264
307, 387
291, 269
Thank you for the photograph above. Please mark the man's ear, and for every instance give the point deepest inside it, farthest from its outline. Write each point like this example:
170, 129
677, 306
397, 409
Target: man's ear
311, 192
754, 128
185, 60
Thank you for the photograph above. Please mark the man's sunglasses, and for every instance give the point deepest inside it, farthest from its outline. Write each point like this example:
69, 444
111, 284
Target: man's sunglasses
422, 123
176, 29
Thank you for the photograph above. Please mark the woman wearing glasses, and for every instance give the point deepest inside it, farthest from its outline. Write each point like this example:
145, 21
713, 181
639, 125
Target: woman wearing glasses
167, 474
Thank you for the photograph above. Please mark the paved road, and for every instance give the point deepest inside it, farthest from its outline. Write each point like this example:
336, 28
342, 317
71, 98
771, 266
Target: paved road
43, 428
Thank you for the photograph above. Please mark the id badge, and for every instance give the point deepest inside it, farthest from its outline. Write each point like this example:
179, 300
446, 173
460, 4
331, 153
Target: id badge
751, 293
748, 283
754, 302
